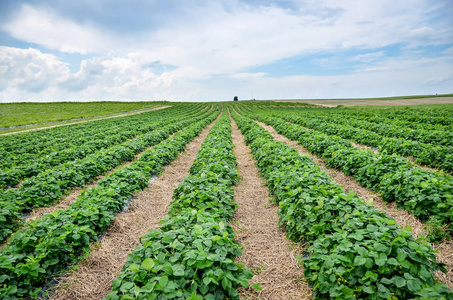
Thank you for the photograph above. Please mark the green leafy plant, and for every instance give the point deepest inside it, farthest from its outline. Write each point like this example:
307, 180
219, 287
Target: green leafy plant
192, 255
354, 250
45, 247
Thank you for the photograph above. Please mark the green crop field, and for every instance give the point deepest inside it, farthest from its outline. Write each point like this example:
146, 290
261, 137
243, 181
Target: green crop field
362, 195
16, 114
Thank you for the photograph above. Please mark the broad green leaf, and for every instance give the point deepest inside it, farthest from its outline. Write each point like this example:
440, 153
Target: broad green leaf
408, 229
134, 268
413, 285
198, 228
178, 270
399, 281
381, 260
148, 264
401, 256
163, 281
392, 261
206, 280
369, 289
359, 260
226, 283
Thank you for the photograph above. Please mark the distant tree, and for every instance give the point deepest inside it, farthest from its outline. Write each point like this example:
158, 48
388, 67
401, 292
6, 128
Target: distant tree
235, 98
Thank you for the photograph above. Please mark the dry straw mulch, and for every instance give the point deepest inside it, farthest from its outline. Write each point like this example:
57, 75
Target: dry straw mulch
66, 201
409, 159
95, 274
266, 249
402, 217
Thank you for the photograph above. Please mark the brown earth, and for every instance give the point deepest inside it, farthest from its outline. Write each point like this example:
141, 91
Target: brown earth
402, 217
93, 278
66, 201
266, 251
69, 199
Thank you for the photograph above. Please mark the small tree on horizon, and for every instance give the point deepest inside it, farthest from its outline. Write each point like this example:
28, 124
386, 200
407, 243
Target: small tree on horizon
235, 98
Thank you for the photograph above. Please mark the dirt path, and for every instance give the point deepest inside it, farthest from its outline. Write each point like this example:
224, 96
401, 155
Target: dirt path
66, 201
91, 119
266, 249
69, 199
409, 159
94, 277
402, 217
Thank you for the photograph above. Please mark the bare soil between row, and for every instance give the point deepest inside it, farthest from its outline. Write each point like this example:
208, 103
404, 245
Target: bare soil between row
93, 278
266, 249
402, 217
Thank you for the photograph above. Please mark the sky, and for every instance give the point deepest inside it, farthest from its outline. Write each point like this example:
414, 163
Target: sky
176, 50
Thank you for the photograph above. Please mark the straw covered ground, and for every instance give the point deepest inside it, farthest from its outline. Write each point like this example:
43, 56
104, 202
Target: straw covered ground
402, 217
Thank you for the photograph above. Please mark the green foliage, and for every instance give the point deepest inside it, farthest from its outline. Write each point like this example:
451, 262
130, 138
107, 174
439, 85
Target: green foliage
48, 186
28, 154
192, 255
45, 247
14, 114
423, 193
430, 145
354, 250
436, 232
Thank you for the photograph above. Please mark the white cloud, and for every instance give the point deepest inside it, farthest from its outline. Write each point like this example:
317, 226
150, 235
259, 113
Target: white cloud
431, 77
127, 78
248, 75
30, 74
369, 57
29, 69
448, 51
221, 40
423, 33
44, 27
227, 36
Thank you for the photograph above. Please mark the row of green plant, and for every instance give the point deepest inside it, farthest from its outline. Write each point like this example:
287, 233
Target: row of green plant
23, 148
428, 195
191, 256
48, 187
427, 154
416, 117
45, 248
35, 142
391, 128
76, 154
407, 116
17, 167
353, 250
424, 133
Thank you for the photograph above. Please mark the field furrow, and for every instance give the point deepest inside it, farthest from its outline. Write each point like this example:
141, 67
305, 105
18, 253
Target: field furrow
45, 248
266, 249
240, 200
48, 187
354, 251
402, 217
428, 195
191, 256
93, 279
